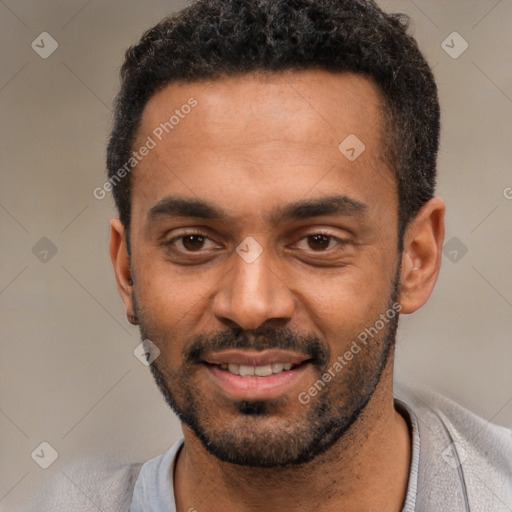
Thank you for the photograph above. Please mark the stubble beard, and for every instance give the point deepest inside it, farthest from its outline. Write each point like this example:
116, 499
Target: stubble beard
258, 435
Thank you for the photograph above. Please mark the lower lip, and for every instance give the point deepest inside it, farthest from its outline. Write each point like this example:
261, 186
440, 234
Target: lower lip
256, 388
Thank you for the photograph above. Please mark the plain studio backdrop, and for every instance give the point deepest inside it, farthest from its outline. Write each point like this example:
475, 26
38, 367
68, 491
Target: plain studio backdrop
69, 376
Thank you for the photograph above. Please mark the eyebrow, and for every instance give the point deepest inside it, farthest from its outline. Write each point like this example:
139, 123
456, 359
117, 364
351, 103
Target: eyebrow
332, 205
173, 206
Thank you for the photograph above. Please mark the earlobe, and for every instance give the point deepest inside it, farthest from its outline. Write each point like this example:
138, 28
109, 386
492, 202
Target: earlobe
422, 254
122, 267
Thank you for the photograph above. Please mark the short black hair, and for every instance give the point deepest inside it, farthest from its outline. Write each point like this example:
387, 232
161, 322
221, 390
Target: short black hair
211, 39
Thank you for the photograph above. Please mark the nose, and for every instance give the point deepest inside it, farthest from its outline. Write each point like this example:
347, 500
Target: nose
252, 294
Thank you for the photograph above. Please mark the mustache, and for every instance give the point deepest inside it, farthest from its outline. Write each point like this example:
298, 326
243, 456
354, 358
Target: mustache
237, 338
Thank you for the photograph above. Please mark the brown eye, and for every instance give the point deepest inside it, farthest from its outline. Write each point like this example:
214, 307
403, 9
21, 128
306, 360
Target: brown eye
193, 242
319, 242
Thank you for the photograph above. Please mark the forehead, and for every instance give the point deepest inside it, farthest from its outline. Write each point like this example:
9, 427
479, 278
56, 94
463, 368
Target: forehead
272, 137
323, 102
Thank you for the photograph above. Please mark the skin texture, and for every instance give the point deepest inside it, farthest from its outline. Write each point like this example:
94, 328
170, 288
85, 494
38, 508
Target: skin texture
250, 158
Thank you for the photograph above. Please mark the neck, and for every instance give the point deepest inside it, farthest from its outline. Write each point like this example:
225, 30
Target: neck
367, 469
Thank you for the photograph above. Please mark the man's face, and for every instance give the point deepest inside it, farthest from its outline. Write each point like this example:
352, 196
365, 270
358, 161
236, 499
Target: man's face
257, 244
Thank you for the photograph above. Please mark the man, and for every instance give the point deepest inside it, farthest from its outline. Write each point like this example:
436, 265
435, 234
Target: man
273, 163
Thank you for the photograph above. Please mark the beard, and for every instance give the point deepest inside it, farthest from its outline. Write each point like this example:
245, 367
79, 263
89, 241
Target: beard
281, 431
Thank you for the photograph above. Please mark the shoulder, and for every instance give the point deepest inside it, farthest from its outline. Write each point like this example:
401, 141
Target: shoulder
462, 456
85, 486
484, 439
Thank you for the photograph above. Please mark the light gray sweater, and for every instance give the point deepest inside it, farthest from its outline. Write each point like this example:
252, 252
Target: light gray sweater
460, 463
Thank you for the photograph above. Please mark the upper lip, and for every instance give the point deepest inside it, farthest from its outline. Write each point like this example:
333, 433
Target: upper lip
255, 358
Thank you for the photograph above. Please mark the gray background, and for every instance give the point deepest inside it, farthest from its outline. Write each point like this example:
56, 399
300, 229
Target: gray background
68, 373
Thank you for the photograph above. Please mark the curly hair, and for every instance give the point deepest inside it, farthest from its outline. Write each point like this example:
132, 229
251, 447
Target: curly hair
210, 39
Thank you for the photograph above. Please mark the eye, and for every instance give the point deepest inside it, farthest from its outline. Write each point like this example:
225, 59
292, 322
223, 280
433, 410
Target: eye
321, 242
318, 242
191, 242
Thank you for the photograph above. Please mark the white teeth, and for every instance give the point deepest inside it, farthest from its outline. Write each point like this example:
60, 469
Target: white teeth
260, 371
234, 368
245, 371
277, 367
263, 371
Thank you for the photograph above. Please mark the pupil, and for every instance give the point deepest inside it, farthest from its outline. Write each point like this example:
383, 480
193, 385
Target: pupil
193, 242
319, 242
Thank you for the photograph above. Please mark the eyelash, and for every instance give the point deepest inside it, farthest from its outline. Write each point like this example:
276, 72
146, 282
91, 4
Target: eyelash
170, 243
184, 235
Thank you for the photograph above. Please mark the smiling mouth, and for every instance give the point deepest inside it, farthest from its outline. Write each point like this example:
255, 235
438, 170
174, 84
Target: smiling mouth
249, 363
259, 371
256, 375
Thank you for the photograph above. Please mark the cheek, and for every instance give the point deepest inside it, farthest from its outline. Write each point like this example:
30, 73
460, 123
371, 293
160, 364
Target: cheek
343, 305
172, 303
167, 300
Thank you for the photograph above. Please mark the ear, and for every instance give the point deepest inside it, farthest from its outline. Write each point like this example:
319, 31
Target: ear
122, 268
422, 255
